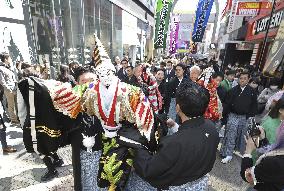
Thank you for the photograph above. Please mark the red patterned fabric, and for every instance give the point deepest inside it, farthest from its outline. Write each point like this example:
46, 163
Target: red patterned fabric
212, 111
155, 97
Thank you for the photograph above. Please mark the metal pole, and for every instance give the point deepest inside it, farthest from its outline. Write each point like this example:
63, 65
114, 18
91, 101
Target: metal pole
266, 37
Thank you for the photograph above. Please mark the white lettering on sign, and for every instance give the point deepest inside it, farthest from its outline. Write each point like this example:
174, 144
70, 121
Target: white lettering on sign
262, 24
161, 28
248, 12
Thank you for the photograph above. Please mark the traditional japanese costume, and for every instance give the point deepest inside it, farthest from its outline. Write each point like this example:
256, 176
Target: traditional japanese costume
154, 96
117, 106
214, 109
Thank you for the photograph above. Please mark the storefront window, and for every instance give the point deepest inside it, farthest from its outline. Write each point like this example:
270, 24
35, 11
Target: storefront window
117, 32
106, 25
89, 15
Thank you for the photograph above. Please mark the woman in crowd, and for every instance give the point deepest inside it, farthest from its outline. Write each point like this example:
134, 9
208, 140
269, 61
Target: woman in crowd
214, 110
254, 82
273, 120
268, 172
162, 86
266, 94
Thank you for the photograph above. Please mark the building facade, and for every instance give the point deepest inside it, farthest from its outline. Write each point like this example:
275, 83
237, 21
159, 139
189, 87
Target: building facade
61, 31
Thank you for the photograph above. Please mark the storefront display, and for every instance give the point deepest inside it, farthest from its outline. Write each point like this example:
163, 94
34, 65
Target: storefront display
61, 31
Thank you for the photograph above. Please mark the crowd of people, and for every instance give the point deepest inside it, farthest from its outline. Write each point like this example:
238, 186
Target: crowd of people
199, 103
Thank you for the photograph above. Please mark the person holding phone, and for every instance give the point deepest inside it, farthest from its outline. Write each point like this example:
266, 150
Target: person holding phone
268, 172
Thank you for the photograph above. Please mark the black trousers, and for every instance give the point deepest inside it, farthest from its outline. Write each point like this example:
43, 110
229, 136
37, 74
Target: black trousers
75, 139
27, 138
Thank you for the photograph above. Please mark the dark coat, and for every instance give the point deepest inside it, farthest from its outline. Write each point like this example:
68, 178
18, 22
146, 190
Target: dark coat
170, 75
183, 157
122, 76
241, 102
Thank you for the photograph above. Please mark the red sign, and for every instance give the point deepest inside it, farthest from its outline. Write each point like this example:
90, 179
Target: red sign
252, 8
257, 25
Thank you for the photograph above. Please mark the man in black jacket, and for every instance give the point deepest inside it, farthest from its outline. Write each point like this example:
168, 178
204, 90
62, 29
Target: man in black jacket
183, 159
131, 79
121, 74
240, 104
169, 72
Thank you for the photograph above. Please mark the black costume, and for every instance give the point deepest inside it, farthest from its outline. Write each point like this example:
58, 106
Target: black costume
42, 134
121, 74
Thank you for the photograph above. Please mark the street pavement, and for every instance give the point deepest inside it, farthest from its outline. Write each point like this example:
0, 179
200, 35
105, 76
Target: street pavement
21, 171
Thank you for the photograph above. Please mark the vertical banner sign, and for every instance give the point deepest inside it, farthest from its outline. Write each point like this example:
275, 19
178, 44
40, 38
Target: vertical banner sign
232, 18
276, 52
162, 22
174, 34
202, 15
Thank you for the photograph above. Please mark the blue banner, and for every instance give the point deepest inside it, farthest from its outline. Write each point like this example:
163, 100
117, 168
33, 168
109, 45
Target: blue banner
202, 15
197, 13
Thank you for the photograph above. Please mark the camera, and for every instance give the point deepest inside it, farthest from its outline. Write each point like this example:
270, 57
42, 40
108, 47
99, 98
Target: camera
253, 129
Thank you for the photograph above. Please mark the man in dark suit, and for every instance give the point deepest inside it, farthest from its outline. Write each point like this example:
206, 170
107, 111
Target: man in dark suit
170, 72
121, 74
131, 79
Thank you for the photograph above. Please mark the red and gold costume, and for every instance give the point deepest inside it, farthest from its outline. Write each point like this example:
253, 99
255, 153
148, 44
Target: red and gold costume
213, 110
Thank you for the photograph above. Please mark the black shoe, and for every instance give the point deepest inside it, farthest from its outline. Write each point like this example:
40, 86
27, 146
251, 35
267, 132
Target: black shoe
58, 163
49, 175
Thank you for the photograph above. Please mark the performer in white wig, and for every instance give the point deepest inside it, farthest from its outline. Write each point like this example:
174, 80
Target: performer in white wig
117, 105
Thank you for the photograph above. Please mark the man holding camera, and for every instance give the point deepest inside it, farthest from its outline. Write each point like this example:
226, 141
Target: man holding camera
240, 104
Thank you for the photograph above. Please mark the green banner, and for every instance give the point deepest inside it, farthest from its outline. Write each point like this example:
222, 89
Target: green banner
162, 22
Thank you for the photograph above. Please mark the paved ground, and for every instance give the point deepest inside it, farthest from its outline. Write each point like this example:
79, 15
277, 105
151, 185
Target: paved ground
22, 172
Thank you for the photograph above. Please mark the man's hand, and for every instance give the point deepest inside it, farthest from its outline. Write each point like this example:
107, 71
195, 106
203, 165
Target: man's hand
170, 123
250, 144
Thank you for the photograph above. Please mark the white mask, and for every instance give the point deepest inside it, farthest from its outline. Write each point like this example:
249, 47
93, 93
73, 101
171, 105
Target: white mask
105, 72
273, 87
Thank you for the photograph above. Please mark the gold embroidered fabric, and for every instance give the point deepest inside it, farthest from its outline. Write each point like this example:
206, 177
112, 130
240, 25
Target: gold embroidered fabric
49, 132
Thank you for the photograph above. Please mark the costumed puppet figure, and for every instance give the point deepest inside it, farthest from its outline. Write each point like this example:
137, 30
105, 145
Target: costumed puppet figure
117, 105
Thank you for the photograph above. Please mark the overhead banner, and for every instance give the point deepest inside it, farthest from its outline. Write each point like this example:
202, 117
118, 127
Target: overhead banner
202, 15
162, 22
174, 34
276, 53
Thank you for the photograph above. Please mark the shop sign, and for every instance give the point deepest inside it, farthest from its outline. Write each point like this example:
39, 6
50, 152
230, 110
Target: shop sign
162, 22
276, 52
262, 24
251, 8
244, 46
202, 15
